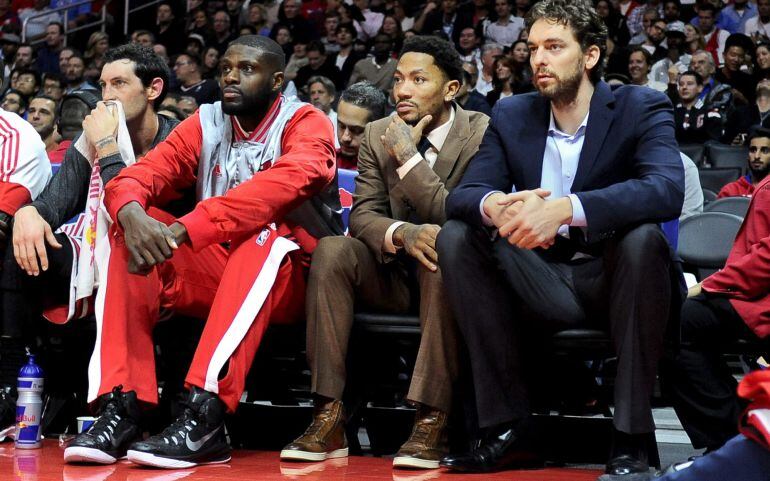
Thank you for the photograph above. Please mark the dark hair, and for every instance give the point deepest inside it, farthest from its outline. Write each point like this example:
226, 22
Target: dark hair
580, 16
443, 52
58, 24
757, 132
316, 46
30, 71
644, 52
366, 96
46, 97
675, 2
328, 84
193, 58
347, 26
268, 47
692, 73
22, 99
145, 32
707, 7
147, 65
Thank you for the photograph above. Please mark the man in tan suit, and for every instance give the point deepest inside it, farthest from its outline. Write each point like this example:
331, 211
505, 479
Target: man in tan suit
407, 165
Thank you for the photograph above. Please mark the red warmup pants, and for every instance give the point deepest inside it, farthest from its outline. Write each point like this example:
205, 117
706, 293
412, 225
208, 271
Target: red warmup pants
241, 290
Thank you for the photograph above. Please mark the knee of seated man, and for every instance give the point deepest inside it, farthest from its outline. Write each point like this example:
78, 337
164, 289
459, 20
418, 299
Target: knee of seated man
452, 238
643, 243
334, 254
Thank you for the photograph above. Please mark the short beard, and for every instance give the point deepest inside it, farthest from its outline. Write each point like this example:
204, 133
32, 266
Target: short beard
759, 174
566, 89
252, 105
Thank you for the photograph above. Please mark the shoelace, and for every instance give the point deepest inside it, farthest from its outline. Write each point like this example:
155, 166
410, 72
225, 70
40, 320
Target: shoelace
108, 417
180, 427
420, 433
319, 421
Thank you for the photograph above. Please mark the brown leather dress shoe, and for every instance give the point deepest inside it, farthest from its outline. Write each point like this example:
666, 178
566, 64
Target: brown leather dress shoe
324, 439
428, 442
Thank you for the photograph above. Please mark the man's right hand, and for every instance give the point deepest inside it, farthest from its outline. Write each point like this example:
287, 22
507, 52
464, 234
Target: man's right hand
419, 241
30, 233
149, 241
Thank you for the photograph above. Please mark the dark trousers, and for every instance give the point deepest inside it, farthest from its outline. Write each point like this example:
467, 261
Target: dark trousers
739, 459
508, 300
697, 378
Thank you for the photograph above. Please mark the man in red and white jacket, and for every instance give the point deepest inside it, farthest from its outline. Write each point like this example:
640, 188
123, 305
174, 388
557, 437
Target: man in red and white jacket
24, 167
263, 169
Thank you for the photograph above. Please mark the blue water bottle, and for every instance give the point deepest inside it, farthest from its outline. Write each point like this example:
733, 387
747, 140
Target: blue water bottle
29, 406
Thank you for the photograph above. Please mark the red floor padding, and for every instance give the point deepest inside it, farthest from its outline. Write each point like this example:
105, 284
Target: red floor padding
46, 465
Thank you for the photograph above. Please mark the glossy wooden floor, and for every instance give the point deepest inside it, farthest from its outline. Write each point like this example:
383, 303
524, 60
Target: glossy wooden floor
46, 465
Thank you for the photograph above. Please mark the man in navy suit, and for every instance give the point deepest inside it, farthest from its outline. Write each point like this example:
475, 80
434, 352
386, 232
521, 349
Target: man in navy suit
593, 172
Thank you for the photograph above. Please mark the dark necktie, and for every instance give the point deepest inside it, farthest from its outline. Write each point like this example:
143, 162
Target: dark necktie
423, 146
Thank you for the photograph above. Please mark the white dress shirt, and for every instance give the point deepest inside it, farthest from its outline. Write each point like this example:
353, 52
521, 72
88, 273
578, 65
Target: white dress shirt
560, 164
436, 137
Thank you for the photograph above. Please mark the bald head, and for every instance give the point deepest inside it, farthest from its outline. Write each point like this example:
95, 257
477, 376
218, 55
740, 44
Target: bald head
269, 51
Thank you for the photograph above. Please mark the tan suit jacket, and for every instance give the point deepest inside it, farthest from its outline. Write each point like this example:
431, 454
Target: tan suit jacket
382, 198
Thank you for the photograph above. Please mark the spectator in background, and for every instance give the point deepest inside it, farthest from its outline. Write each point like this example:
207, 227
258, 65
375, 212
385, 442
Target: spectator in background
521, 67
506, 29
322, 93
195, 45
198, 23
742, 118
762, 62
64, 57
714, 37
693, 39
467, 97
9, 21
25, 57
733, 17
503, 80
758, 164
9, 43
729, 305
210, 63
52, 86
318, 65
449, 18
257, 18
297, 61
28, 83
731, 73
379, 68
392, 28
98, 44
655, 40
42, 116
360, 104
145, 38
617, 29
489, 52
636, 24
400, 12
36, 27
639, 63
168, 30
74, 76
468, 45
289, 16
191, 83
672, 11
331, 22
647, 18
13, 101
222, 34
347, 57
714, 94
696, 121
48, 54
283, 38
677, 61
371, 23
758, 26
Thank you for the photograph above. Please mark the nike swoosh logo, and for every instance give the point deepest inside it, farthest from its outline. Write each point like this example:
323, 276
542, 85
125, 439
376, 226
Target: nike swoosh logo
196, 445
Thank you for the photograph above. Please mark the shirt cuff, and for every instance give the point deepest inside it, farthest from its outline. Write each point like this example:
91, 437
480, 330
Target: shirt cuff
387, 243
485, 219
404, 169
578, 214
200, 229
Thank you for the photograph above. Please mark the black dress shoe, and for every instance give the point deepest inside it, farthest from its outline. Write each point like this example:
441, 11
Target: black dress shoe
501, 449
626, 464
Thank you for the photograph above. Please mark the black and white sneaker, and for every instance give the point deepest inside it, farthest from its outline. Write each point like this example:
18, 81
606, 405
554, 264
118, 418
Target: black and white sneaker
196, 437
108, 439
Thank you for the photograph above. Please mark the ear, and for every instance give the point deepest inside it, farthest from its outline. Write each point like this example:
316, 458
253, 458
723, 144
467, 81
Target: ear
450, 90
278, 81
591, 56
155, 88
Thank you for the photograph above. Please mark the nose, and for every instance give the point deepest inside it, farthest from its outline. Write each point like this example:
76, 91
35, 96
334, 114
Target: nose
537, 58
345, 137
231, 77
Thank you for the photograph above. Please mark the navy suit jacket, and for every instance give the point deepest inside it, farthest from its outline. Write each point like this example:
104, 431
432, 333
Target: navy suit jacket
629, 170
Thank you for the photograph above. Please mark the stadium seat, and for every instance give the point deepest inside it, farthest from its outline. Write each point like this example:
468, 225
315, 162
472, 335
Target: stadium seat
709, 196
696, 152
705, 241
714, 179
732, 205
722, 156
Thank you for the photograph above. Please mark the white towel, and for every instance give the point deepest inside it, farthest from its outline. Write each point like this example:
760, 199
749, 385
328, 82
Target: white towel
97, 219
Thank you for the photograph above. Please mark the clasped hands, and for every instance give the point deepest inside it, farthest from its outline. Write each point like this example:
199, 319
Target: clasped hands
526, 218
149, 241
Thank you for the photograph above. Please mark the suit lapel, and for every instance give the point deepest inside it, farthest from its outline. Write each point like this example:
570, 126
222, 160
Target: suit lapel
532, 142
599, 123
450, 152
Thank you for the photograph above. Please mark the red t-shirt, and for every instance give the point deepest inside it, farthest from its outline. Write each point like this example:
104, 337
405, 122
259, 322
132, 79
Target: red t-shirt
739, 188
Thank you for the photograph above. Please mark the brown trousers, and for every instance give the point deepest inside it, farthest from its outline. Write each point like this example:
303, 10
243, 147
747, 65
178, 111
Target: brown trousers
344, 274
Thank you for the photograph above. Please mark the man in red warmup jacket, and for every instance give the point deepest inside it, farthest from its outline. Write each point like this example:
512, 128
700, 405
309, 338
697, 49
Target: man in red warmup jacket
729, 304
262, 166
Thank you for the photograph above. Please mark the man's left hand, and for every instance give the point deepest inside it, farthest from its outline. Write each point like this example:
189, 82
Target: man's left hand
538, 221
400, 140
101, 124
